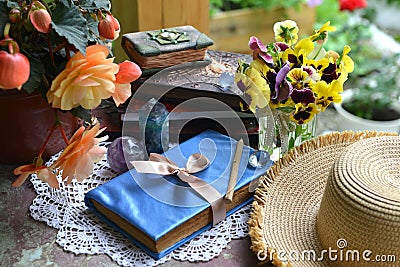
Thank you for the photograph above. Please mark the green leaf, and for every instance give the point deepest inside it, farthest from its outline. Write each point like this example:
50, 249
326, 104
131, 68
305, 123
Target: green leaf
93, 28
37, 71
82, 113
71, 24
291, 143
3, 17
67, 3
91, 5
298, 131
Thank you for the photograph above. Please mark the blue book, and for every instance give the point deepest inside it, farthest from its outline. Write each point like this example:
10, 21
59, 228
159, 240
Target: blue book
160, 213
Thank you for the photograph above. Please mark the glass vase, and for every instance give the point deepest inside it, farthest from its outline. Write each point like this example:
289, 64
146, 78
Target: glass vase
277, 134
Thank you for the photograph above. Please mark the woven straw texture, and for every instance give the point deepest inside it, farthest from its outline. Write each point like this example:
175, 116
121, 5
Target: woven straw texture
361, 203
287, 201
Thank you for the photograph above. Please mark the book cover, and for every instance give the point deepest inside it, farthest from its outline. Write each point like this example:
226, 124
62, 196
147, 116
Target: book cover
165, 47
160, 213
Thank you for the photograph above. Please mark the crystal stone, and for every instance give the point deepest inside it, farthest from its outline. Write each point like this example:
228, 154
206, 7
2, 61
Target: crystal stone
123, 150
226, 80
259, 158
154, 126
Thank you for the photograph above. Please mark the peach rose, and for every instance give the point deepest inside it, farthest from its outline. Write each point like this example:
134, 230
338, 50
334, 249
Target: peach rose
85, 81
82, 151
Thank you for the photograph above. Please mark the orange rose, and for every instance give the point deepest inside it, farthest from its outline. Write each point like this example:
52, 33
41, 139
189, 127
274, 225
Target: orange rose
85, 81
42, 172
82, 151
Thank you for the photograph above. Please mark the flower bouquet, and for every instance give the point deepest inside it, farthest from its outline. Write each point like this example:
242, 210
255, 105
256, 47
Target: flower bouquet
289, 81
61, 50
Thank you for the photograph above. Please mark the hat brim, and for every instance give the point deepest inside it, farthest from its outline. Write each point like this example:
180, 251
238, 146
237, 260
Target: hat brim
282, 226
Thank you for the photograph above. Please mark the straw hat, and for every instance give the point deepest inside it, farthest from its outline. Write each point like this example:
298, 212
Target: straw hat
332, 201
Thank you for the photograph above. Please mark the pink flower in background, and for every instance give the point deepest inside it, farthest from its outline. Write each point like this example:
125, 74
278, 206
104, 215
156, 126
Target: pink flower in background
313, 3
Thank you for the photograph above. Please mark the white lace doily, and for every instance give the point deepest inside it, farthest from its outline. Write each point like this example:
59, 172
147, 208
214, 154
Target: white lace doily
80, 231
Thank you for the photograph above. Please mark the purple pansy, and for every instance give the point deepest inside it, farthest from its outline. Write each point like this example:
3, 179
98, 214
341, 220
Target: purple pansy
310, 70
281, 46
256, 45
304, 96
240, 84
282, 87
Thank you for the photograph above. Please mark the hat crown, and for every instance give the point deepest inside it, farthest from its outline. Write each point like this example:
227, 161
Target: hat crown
361, 201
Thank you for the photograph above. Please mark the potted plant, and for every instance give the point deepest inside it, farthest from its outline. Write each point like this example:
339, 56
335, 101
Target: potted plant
374, 103
55, 55
372, 90
232, 22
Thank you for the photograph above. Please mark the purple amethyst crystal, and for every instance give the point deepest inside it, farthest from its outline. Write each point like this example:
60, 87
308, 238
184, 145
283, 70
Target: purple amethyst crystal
122, 151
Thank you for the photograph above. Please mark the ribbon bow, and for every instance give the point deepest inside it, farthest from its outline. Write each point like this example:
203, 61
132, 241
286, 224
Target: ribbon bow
197, 162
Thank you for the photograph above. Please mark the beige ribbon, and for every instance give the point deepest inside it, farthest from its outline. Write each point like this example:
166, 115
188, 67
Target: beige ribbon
161, 165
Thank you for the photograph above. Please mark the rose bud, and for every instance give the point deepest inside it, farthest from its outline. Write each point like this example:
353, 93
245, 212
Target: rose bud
41, 20
14, 70
128, 72
14, 15
109, 27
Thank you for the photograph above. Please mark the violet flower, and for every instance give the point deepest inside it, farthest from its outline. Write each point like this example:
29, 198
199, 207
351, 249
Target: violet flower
304, 96
282, 87
281, 46
257, 46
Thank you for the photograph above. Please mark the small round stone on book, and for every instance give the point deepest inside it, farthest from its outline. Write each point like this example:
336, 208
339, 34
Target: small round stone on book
226, 80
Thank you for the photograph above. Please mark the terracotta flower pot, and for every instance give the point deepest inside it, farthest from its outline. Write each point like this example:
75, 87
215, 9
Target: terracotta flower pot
26, 120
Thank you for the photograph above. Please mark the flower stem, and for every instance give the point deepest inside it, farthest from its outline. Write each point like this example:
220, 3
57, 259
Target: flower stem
64, 135
60, 127
319, 51
50, 48
46, 142
7, 30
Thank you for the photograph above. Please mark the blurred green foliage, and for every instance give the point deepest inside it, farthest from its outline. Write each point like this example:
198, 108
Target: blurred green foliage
375, 75
226, 5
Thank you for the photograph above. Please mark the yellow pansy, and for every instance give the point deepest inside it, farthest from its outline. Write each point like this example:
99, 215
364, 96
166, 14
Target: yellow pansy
287, 103
261, 67
299, 54
319, 65
298, 78
304, 114
320, 34
286, 31
346, 61
327, 93
343, 75
327, 27
255, 88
